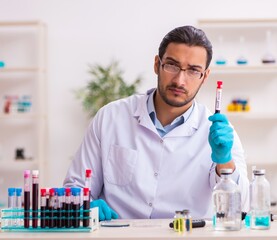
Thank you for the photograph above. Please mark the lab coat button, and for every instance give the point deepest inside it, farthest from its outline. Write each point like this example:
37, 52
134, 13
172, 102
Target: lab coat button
156, 174
161, 141
150, 204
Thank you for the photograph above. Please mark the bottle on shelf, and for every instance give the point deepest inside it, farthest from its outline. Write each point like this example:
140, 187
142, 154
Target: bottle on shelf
259, 201
242, 60
226, 203
268, 56
220, 59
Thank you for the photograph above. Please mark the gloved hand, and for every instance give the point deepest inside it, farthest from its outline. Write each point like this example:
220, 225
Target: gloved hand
105, 212
221, 138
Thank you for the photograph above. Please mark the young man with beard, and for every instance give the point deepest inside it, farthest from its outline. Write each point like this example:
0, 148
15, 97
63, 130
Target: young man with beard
154, 153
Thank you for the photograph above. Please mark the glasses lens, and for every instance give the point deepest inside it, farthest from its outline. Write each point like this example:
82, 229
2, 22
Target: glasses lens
194, 74
171, 68
190, 73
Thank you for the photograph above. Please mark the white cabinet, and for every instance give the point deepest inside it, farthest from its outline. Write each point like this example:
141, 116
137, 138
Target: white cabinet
254, 81
23, 87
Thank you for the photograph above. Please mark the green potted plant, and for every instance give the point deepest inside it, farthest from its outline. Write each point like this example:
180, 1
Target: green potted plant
106, 85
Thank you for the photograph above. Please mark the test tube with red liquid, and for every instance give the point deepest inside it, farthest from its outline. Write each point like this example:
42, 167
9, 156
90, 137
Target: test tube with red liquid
218, 97
35, 181
27, 182
51, 222
76, 207
88, 178
43, 208
86, 207
68, 208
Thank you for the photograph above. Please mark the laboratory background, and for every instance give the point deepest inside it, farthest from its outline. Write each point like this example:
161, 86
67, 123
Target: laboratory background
47, 48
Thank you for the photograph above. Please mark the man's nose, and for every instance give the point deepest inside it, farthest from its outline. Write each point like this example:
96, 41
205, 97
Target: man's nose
181, 77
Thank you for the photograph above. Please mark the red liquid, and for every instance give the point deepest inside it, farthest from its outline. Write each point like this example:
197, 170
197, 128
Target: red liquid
76, 215
43, 217
26, 209
51, 218
68, 222
47, 212
63, 215
86, 207
59, 218
35, 206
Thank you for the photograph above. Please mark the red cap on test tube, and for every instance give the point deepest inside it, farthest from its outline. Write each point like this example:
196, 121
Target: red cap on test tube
52, 192
88, 173
219, 84
43, 192
86, 191
67, 192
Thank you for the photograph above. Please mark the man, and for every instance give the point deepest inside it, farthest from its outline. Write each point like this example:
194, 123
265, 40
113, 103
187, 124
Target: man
155, 153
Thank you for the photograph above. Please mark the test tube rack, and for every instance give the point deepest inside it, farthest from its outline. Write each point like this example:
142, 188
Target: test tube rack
12, 221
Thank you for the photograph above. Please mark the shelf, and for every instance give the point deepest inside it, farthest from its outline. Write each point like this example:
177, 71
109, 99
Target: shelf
24, 51
254, 81
247, 69
17, 165
237, 23
252, 116
19, 24
20, 69
14, 116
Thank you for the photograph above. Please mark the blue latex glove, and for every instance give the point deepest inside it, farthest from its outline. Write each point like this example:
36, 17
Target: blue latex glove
105, 212
221, 138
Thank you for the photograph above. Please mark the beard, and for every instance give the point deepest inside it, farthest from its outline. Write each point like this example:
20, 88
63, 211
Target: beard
175, 102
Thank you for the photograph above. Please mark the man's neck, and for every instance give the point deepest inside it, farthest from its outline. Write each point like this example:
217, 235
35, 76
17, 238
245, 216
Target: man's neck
166, 113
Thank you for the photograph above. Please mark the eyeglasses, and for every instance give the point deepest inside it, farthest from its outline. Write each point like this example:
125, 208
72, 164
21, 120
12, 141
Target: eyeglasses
174, 69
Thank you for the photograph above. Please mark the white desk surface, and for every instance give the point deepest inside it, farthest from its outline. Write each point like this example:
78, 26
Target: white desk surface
149, 229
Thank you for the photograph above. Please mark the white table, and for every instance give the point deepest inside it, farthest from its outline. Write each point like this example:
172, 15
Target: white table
149, 229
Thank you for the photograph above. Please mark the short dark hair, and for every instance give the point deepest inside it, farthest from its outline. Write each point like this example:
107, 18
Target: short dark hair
190, 36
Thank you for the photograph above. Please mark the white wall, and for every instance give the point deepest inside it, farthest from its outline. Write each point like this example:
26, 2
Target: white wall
82, 32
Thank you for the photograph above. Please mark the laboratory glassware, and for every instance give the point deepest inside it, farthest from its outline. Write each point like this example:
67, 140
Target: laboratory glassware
226, 203
259, 201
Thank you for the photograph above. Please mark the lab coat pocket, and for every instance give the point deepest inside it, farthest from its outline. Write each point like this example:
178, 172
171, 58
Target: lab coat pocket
120, 165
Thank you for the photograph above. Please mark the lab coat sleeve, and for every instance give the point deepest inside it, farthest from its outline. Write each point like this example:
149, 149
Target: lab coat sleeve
239, 175
88, 156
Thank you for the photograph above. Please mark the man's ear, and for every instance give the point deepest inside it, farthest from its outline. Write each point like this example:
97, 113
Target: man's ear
156, 64
206, 75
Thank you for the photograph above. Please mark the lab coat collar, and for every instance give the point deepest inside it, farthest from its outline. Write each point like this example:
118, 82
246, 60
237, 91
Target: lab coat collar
186, 129
189, 127
141, 113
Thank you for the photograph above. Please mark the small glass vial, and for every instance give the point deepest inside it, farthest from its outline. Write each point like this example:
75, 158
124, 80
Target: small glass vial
226, 203
259, 201
178, 223
12, 206
18, 204
187, 220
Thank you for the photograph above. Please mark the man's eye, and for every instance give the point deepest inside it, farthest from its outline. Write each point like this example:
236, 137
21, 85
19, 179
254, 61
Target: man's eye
193, 71
172, 65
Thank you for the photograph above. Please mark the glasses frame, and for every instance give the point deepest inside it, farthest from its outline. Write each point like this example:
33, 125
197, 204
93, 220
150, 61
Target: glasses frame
180, 69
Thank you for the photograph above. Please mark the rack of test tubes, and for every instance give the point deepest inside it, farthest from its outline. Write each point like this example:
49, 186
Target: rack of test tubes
60, 210
13, 220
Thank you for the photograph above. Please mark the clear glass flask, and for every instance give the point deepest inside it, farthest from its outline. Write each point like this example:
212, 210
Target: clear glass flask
259, 201
226, 203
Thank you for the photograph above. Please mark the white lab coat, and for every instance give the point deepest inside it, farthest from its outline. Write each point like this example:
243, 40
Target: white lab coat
142, 175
